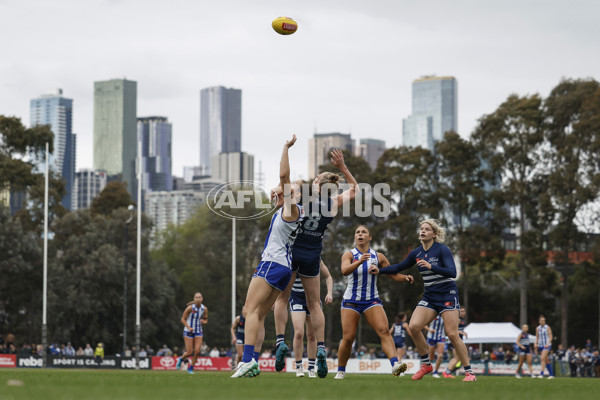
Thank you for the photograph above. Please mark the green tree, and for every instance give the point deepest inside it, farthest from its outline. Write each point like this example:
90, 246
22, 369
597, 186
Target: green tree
113, 196
17, 142
572, 112
509, 141
86, 274
199, 253
20, 266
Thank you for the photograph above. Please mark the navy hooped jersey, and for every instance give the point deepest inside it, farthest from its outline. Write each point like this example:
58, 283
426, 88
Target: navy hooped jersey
241, 324
399, 333
309, 240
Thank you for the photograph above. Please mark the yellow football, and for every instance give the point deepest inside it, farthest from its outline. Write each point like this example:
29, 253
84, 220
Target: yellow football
284, 25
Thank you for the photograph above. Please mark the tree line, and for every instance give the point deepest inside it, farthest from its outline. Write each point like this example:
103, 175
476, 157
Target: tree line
519, 198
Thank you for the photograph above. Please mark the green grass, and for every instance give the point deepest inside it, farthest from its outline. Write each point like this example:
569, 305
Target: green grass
65, 384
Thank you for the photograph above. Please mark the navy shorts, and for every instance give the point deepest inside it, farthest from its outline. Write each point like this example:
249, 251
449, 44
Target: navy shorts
239, 338
439, 302
399, 343
298, 302
306, 266
275, 274
525, 351
360, 306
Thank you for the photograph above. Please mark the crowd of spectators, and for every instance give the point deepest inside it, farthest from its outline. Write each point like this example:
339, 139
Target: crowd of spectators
574, 362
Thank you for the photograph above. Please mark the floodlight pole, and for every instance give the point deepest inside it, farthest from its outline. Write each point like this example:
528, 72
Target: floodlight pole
233, 270
45, 278
138, 256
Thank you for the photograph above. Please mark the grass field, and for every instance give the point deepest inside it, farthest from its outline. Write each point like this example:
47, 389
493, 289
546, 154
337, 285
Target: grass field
50, 384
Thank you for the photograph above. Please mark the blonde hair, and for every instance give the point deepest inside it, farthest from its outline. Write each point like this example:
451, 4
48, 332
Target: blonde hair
437, 229
329, 177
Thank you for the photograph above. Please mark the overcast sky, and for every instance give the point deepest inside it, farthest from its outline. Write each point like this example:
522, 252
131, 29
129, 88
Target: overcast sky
348, 68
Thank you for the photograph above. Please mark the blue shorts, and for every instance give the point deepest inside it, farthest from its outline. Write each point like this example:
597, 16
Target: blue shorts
192, 335
440, 302
276, 275
399, 343
542, 348
360, 306
433, 342
298, 302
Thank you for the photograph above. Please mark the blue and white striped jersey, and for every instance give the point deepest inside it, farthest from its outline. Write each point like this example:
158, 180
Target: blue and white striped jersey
438, 329
193, 320
543, 335
362, 285
280, 239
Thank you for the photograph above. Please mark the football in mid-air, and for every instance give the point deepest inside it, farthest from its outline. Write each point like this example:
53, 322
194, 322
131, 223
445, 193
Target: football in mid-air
284, 25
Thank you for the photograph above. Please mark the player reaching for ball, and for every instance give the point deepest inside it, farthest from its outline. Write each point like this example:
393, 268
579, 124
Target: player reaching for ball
275, 269
361, 297
194, 315
436, 265
306, 256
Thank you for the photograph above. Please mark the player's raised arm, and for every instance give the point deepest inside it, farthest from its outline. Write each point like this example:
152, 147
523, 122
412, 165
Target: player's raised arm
290, 209
337, 159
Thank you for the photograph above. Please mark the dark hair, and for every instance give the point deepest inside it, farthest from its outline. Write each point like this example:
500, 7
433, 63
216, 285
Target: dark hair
400, 316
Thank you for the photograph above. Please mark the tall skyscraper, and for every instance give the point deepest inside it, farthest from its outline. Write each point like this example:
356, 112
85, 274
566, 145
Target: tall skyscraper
115, 129
88, 185
434, 111
57, 111
236, 166
320, 146
220, 124
155, 134
370, 150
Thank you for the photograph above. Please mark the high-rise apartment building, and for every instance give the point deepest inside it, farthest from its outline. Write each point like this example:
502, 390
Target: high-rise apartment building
320, 146
434, 111
88, 184
236, 166
370, 150
115, 129
220, 124
57, 111
155, 135
165, 208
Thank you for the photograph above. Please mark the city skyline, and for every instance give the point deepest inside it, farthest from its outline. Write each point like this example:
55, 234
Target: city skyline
353, 76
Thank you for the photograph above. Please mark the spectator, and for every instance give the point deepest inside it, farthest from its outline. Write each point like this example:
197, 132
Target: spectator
588, 345
69, 350
26, 350
499, 353
149, 350
143, 353
165, 351
596, 363
127, 352
10, 338
561, 356
214, 352
80, 352
88, 351
99, 354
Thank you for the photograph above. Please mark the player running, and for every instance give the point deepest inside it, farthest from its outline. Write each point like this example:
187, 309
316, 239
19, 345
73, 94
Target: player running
194, 315
361, 265
524, 349
436, 265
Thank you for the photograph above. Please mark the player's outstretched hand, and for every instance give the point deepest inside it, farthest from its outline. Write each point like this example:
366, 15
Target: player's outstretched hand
337, 158
290, 143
